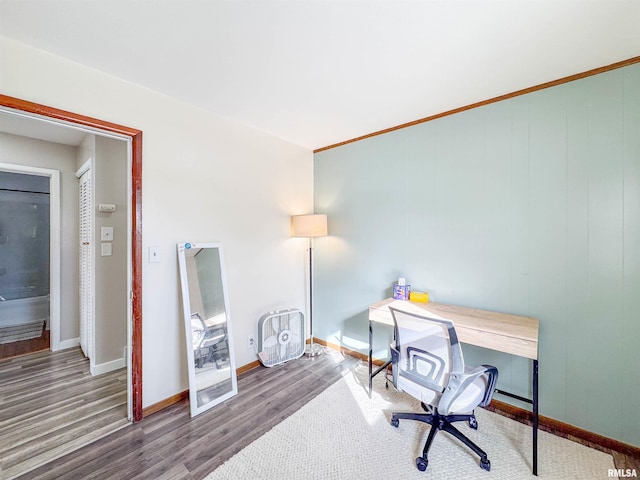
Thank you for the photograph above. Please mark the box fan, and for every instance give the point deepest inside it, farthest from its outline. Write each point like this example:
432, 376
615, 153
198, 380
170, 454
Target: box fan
280, 337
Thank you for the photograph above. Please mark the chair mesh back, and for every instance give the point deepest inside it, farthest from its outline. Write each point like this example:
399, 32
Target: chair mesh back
431, 340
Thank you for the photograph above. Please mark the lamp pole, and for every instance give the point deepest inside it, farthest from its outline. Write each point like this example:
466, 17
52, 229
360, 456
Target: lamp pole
310, 226
312, 349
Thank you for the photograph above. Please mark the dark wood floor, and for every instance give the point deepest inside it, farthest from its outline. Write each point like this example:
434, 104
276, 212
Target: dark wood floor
171, 445
24, 347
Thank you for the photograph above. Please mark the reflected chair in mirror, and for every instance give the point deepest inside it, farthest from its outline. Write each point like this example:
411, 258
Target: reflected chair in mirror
427, 363
209, 342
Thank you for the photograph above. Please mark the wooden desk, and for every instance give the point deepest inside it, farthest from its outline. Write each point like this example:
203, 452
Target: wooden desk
513, 334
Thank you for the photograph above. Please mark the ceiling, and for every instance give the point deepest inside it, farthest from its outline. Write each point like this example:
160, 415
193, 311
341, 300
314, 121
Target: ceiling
318, 72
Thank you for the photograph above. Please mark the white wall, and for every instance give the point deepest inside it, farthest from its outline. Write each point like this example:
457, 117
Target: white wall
111, 299
86, 150
38, 153
204, 179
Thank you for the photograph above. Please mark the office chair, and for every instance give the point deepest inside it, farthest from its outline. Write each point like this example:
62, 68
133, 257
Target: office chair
427, 363
210, 342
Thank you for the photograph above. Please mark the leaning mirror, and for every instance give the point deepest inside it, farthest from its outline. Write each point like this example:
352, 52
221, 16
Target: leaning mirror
212, 371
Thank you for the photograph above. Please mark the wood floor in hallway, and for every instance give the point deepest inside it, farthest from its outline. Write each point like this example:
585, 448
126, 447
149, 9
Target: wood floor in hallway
50, 405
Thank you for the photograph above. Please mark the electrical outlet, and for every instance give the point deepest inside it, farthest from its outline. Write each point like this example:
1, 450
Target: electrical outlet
251, 343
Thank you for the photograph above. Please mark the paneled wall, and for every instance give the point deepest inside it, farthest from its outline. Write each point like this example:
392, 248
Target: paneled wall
529, 206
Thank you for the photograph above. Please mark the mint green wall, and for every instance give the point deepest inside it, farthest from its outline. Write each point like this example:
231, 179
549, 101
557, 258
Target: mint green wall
529, 206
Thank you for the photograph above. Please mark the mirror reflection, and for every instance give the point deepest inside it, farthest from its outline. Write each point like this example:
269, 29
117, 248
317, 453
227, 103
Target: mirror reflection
212, 376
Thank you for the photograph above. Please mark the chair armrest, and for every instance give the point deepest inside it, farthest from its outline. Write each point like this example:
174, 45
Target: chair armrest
410, 373
458, 382
492, 380
395, 358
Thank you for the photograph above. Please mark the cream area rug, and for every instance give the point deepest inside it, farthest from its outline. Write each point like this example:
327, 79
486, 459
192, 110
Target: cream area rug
344, 434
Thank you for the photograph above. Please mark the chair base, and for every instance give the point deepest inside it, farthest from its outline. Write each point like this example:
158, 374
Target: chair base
442, 422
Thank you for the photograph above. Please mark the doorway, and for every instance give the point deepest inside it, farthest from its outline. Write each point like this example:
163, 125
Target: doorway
24, 262
28, 111
30, 258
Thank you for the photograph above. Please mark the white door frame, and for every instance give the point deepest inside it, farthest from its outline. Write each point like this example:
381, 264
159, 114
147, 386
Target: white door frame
54, 243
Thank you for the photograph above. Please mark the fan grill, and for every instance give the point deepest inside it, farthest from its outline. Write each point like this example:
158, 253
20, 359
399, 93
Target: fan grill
281, 337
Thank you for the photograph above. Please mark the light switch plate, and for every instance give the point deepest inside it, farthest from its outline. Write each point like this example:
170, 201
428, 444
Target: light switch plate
106, 250
106, 234
154, 254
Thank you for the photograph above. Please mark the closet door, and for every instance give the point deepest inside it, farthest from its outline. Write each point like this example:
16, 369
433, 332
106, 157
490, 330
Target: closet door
86, 265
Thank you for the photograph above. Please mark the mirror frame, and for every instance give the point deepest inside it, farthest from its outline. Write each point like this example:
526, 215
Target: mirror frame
186, 306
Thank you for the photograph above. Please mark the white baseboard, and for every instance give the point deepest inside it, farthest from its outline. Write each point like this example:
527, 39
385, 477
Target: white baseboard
95, 369
108, 367
64, 344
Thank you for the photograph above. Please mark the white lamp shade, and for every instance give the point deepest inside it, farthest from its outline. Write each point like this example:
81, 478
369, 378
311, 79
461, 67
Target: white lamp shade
309, 225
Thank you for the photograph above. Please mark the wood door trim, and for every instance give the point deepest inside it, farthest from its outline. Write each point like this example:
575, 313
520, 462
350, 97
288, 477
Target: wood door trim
136, 223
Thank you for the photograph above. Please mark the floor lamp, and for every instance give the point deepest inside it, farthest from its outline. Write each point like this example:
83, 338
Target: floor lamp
310, 226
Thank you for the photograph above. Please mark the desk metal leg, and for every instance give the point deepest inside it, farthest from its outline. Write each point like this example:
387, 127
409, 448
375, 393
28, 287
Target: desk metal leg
383, 367
535, 417
370, 357
533, 401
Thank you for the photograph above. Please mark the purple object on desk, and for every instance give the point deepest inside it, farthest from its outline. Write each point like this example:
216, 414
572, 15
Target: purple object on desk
401, 292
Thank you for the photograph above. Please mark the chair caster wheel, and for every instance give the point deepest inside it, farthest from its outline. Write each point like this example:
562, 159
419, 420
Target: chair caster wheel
395, 422
473, 423
485, 465
386, 385
421, 463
